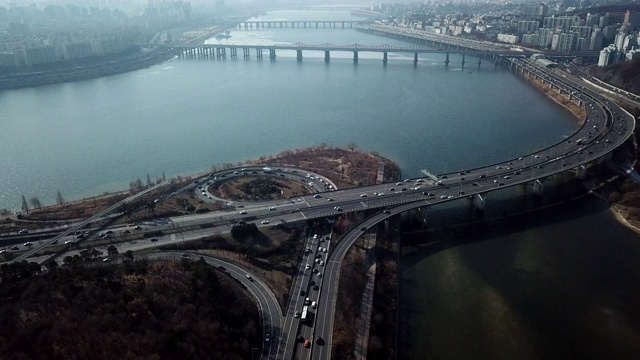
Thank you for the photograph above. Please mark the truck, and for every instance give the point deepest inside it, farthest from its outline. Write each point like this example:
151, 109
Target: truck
305, 310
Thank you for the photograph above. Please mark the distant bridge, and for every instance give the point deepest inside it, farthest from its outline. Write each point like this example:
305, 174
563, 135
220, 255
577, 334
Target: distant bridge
250, 24
222, 50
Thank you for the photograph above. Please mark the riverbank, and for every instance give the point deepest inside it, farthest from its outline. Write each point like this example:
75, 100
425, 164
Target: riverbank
133, 59
346, 167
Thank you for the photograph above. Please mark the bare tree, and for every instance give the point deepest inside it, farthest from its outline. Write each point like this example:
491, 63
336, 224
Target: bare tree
148, 180
59, 198
25, 206
35, 202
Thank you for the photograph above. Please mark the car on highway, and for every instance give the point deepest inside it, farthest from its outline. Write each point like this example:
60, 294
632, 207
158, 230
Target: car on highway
307, 343
319, 274
363, 195
28, 243
302, 292
319, 340
243, 212
248, 277
364, 228
307, 267
386, 212
321, 263
154, 239
313, 304
317, 196
316, 287
297, 314
23, 231
267, 338
15, 248
265, 221
185, 255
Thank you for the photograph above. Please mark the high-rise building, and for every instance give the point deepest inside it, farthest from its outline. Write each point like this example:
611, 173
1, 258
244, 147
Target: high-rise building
632, 19
528, 26
582, 44
592, 19
531, 40
605, 56
619, 41
535, 11
555, 40
546, 36
596, 40
582, 31
561, 22
566, 42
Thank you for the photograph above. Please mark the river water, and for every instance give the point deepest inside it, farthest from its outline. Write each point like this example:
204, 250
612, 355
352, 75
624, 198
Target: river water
183, 116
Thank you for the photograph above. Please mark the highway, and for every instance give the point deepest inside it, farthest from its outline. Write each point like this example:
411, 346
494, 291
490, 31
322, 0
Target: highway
71, 230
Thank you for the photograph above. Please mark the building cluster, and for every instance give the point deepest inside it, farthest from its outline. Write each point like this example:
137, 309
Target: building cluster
551, 26
47, 33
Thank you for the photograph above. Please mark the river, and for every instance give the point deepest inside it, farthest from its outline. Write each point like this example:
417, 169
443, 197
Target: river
183, 116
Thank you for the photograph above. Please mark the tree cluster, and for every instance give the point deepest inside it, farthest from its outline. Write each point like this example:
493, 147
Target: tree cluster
139, 310
624, 75
243, 230
260, 187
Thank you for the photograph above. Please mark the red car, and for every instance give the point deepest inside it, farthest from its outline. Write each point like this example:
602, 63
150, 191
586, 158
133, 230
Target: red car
307, 343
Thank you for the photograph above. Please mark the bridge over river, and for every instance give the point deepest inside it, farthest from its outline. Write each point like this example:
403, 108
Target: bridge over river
231, 50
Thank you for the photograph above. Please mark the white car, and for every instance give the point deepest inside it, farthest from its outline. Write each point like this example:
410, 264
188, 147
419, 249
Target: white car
321, 263
307, 267
243, 212
265, 221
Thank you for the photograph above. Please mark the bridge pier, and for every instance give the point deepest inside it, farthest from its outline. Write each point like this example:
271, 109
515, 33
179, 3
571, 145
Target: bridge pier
245, 52
538, 187
316, 24
234, 52
521, 189
415, 58
272, 54
446, 62
581, 172
384, 57
259, 53
327, 56
299, 55
343, 24
355, 56
479, 62
463, 60
479, 201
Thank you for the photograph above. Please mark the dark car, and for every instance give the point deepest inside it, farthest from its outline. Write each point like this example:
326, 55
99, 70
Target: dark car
387, 212
319, 340
301, 292
316, 287
364, 228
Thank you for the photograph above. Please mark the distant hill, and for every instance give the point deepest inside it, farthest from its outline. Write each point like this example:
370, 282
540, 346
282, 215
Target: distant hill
625, 75
607, 8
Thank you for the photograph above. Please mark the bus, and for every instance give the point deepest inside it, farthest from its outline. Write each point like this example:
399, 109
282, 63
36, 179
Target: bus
305, 310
